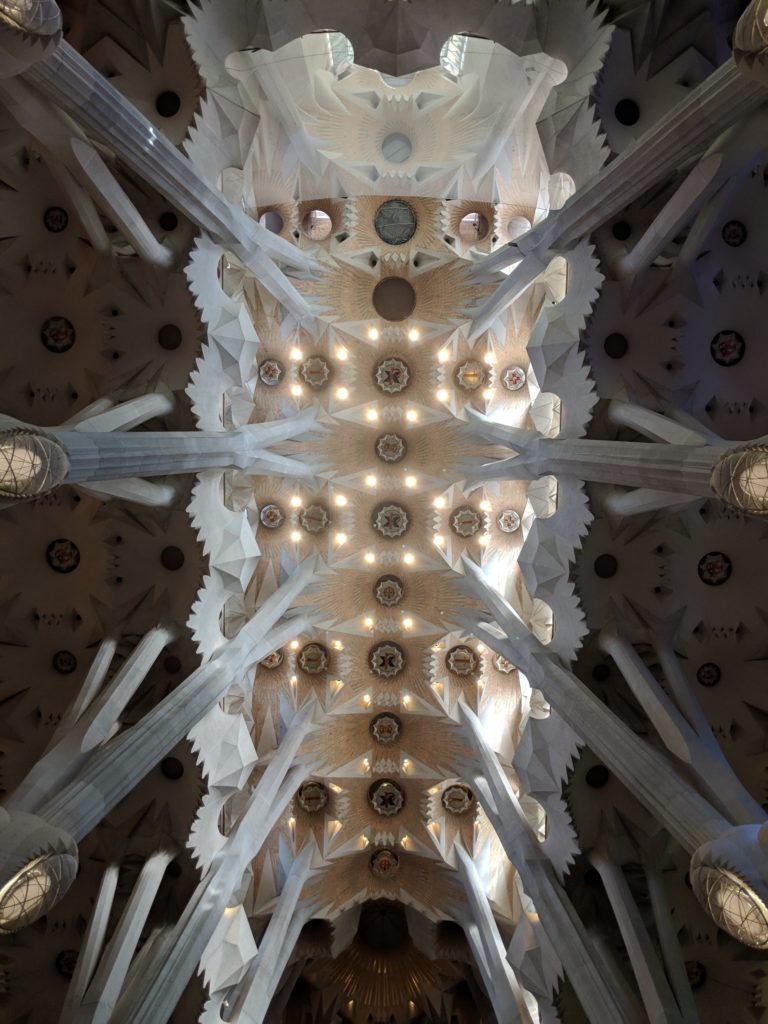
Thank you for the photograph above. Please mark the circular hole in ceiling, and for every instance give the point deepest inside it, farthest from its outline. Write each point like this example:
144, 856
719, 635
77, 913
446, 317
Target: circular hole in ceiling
317, 225
616, 346
168, 221
169, 337
622, 229
395, 222
605, 566
394, 298
172, 557
597, 776
473, 227
627, 112
396, 148
272, 221
517, 227
167, 104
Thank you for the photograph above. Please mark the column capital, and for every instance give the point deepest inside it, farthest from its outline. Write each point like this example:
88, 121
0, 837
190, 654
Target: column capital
750, 41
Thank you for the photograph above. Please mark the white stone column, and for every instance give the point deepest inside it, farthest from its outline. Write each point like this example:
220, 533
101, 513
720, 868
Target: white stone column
503, 987
276, 945
557, 917
71, 83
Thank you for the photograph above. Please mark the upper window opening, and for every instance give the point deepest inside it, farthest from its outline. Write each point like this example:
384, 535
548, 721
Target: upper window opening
452, 54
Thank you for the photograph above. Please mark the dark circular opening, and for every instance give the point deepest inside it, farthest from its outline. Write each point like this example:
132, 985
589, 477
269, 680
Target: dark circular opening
616, 346
605, 566
601, 672
168, 104
622, 229
172, 768
66, 961
395, 222
272, 221
55, 219
394, 298
172, 664
627, 112
597, 776
473, 227
169, 337
708, 674
172, 558
168, 221
734, 233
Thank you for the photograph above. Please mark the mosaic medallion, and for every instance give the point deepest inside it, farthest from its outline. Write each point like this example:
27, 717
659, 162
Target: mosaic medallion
273, 660
312, 796
387, 659
271, 372
513, 378
58, 334
316, 372
715, 568
56, 219
386, 797
696, 973
465, 521
502, 664
386, 727
457, 798
384, 863
470, 375
727, 348
395, 222
66, 962
391, 447
313, 659
271, 516
508, 520
314, 518
462, 660
64, 662
392, 376
734, 233
62, 555
390, 520
388, 591
708, 674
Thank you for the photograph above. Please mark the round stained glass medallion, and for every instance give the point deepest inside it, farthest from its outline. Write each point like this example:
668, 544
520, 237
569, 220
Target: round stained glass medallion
56, 219
387, 659
696, 973
386, 797
271, 516
66, 961
390, 521
273, 660
513, 378
395, 222
386, 727
388, 591
392, 375
462, 660
508, 520
457, 798
708, 674
58, 334
312, 796
391, 447
502, 664
316, 372
470, 375
466, 522
271, 372
384, 863
314, 518
64, 662
727, 348
313, 659
62, 555
734, 233
714, 568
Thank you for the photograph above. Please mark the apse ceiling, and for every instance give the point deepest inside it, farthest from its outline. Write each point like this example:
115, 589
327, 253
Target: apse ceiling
385, 149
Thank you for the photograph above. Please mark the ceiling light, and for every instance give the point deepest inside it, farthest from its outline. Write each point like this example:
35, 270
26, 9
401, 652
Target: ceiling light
443, 355
408, 558
294, 645
413, 334
295, 536
368, 622
489, 358
340, 500
484, 540
406, 700
296, 354
337, 645
487, 394
370, 480
440, 502
439, 540
341, 353
407, 622
296, 390
340, 538
411, 415
342, 393
371, 415
442, 395
373, 333
485, 505
411, 481
366, 699
370, 558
